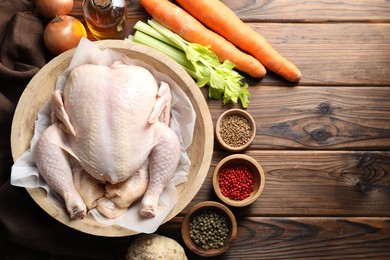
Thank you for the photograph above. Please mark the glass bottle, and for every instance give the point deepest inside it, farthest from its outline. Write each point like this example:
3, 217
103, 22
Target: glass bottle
105, 18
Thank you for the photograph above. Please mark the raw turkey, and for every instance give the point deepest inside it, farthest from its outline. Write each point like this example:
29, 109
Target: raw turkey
110, 143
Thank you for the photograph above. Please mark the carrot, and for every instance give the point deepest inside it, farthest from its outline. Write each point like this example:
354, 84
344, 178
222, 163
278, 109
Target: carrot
190, 29
221, 19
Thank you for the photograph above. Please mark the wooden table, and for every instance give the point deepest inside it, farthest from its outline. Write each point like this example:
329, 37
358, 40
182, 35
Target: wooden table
323, 143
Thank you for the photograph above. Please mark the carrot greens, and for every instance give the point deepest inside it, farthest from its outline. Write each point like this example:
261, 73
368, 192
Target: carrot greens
199, 61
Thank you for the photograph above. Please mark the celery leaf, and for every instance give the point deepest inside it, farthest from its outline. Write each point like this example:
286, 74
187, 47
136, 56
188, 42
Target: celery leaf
223, 81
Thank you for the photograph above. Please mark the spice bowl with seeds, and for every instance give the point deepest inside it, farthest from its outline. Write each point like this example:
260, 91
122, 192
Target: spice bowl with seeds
209, 229
235, 130
238, 180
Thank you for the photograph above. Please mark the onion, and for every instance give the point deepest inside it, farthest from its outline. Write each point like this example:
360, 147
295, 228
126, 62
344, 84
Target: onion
63, 33
53, 8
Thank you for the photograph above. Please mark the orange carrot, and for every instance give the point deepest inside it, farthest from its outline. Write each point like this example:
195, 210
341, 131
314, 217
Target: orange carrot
221, 19
190, 29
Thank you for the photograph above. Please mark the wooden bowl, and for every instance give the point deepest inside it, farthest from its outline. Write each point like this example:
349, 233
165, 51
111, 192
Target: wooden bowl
253, 166
217, 208
226, 140
39, 91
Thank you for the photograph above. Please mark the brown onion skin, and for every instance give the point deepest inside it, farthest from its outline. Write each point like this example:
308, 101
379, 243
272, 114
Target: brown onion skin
63, 33
53, 8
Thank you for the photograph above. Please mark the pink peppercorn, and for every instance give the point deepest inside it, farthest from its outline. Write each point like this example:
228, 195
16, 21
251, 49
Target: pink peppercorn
236, 181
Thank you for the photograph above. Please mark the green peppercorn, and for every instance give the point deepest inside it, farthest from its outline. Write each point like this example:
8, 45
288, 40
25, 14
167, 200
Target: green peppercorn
209, 229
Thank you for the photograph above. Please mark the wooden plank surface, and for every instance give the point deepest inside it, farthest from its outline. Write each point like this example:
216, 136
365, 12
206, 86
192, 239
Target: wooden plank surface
321, 183
292, 10
311, 10
324, 143
306, 117
304, 238
333, 54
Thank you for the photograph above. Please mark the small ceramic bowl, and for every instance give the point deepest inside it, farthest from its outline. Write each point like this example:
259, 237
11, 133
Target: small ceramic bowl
235, 130
252, 165
196, 211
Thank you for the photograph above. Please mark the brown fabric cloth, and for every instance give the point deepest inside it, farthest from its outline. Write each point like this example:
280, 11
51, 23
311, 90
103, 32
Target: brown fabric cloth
26, 231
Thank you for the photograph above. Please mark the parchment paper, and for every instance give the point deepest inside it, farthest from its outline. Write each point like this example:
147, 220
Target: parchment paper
25, 174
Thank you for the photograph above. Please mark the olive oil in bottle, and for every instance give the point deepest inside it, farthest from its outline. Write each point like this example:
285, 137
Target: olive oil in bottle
105, 18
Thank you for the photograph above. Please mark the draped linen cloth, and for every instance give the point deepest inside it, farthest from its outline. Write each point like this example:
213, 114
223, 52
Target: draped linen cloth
35, 235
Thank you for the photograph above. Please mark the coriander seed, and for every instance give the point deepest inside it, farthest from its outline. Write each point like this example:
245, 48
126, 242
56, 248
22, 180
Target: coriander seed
235, 130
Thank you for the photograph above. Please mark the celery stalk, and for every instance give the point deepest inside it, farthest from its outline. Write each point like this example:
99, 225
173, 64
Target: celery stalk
199, 61
147, 29
168, 50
